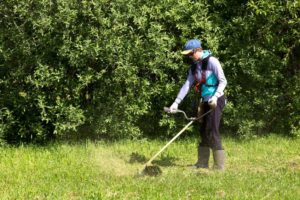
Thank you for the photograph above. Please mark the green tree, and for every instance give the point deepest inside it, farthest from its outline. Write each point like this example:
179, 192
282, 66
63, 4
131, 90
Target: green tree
113, 65
260, 48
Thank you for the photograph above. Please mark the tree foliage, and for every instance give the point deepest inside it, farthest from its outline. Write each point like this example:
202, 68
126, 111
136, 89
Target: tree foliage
260, 50
113, 65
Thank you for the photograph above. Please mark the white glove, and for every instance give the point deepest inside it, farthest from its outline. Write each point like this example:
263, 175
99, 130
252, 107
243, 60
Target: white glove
212, 102
174, 107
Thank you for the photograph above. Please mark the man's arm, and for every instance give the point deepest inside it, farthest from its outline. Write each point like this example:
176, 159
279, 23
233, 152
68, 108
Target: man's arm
185, 87
218, 71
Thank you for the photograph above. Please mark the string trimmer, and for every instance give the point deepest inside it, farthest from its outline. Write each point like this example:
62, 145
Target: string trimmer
153, 170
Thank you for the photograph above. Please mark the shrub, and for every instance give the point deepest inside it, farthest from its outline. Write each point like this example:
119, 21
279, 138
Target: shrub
114, 65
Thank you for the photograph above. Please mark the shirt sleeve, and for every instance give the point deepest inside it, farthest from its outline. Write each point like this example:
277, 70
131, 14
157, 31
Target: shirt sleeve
218, 71
185, 87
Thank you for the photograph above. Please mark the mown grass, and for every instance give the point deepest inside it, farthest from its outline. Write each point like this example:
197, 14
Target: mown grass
262, 168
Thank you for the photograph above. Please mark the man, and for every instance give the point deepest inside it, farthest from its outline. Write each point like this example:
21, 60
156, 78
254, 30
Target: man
210, 80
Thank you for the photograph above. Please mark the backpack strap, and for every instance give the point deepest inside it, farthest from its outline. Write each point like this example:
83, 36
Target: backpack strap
203, 73
203, 66
205, 62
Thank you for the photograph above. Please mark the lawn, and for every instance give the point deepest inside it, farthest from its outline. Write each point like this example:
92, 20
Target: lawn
261, 168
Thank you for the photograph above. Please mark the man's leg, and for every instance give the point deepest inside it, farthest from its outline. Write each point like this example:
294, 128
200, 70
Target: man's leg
203, 146
212, 130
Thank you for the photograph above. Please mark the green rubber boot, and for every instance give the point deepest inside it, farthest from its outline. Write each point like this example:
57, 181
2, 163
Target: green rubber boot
219, 159
203, 157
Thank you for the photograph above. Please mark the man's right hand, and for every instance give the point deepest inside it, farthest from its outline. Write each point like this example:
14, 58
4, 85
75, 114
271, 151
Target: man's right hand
174, 107
212, 102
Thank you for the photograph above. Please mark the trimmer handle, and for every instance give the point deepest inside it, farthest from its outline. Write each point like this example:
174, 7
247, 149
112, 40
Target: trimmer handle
166, 109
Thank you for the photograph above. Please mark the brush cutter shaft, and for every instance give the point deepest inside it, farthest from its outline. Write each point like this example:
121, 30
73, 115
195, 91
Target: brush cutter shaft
174, 138
178, 134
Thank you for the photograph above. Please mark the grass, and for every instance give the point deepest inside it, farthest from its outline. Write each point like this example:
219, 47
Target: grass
262, 168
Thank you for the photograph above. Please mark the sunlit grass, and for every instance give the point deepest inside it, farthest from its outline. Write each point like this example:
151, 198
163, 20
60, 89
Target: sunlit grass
263, 168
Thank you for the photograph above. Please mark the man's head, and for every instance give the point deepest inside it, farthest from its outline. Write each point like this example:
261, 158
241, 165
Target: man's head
193, 49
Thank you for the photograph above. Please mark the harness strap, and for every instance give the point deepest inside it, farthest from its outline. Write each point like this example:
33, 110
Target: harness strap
200, 83
203, 74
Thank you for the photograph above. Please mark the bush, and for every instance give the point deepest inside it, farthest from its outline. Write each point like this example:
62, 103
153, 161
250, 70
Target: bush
40, 87
260, 50
113, 65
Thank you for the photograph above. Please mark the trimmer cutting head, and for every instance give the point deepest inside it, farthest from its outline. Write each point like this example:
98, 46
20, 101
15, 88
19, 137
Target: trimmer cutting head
151, 170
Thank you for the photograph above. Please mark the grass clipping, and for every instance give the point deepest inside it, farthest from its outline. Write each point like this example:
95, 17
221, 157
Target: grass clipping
109, 162
112, 163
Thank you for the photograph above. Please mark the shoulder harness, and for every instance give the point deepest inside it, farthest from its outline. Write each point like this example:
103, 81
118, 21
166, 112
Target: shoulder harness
199, 84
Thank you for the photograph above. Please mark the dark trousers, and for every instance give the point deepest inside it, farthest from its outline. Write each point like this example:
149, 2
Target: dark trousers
209, 129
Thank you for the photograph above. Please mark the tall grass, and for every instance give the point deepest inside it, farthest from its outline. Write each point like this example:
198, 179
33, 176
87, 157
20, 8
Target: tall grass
262, 168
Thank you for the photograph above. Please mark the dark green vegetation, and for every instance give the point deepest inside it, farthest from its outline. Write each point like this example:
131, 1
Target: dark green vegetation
112, 66
263, 168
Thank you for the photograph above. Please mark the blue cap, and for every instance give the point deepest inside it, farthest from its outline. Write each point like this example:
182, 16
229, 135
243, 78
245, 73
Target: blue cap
190, 45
